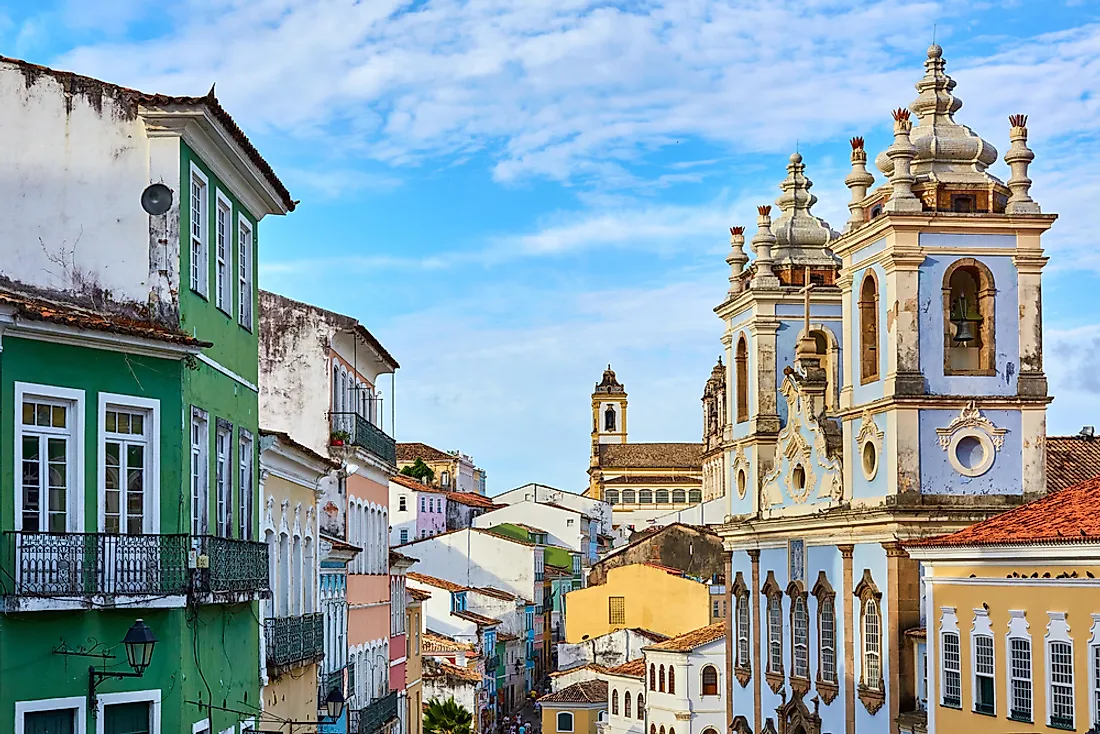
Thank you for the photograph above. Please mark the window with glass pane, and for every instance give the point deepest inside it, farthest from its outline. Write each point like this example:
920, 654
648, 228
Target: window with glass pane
827, 632
45, 447
775, 635
872, 645
1061, 684
1020, 678
244, 274
983, 674
199, 264
222, 246
661, 496
222, 477
616, 610
743, 631
800, 633
245, 489
58, 721
125, 471
1096, 682
952, 680
198, 472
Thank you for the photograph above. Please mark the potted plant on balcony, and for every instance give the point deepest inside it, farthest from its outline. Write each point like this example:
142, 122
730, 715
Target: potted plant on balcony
339, 438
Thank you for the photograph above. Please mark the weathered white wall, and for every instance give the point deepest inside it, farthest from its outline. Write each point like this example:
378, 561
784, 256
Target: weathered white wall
706, 711
471, 558
614, 648
596, 509
465, 693
553, 520
75, 165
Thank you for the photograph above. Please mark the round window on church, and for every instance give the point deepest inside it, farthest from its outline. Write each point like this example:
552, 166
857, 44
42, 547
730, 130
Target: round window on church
869, 455
971, 452
798, 477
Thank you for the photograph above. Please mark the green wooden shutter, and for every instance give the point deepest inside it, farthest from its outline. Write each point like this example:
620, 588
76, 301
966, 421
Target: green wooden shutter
126, 718
61, 721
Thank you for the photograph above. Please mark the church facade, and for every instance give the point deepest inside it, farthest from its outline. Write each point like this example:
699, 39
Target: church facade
880, 383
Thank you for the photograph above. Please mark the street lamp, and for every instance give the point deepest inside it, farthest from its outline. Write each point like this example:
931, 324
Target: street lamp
334, 704
139, 643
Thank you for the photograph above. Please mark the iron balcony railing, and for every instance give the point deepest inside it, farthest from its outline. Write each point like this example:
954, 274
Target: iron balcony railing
231, 565
492, 663
361, 432
92, 564
371, 719
294, 640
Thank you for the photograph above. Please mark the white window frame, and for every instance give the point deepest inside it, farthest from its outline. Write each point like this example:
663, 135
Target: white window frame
800, 646
774, 608
151, 696
151, 502
572, 722
742, 606
829, 603
246, 259
79, 703
246, 490
982, 627
1058, 632
75, 493
223, 478
199, 485
949, 624
1018, 630
223, 253
199, 276
1094, 670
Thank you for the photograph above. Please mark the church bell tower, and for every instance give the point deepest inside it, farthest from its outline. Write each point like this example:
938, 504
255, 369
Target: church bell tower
608, 411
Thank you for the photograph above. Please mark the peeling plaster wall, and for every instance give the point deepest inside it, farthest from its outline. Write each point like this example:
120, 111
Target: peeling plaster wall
76, 163
865, 393
939, 477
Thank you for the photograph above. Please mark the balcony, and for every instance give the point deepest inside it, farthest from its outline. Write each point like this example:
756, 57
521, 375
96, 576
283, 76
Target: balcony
230, 570
373, 718
492, 663
93, 568
293, 642
364, 434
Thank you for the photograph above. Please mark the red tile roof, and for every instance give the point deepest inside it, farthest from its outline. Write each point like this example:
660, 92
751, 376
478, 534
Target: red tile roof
1069, 516
446, 670
142, 99
438, 644
472, 499
414, 451
495, 593
419, 594
587, 666
651, 456
433, 581
39, 308
1071, 459
586, 691
632, 669
479, 619
410, 483
691, 640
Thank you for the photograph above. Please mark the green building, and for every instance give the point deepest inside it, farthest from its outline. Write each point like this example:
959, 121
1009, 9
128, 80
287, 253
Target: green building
128, 378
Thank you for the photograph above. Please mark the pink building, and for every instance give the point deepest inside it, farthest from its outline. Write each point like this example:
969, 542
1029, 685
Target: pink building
416, 510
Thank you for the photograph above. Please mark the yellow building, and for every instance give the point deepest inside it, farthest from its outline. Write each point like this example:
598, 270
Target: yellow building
576, 709
414, 663
640, 595
1013, 618
293, 626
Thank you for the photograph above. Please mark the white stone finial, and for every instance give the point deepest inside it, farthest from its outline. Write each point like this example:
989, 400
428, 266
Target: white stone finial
1019, 157
762, 243
901, 153
858, 181
737, 259
800, 237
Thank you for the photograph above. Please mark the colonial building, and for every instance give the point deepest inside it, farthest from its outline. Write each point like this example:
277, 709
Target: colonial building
1012, 608
576, 709
685, 683
640, 481
129, 223
562, 526
414, 651
453, 471
883, 382
695, 551
543, 494
417, 510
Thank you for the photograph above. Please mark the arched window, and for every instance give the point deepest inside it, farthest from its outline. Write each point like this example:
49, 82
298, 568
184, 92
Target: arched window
969, 319
710, 681
826, 638
800, 637
661, 496
662, 729
774, 595
868, 328
626, 704
870, 633
614, 702
652, 729
679, 496
565, 721
645, 496
652, 677
671, 679
628, 497
609, 419
612, 496
661, 679
695, 496
641, 707
742, 369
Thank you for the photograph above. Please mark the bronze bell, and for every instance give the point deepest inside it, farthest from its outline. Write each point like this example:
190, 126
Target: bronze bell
964, 331
963, 321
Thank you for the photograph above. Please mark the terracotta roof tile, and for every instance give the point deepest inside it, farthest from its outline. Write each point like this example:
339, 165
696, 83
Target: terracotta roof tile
410, 483
632, 669
586, 691
1071, 459
433, 581
446, 670
436, 643
479, 619
506, 637
419, 594
587, 666
655, 480
414, 451
651, 456
691, 640
1069, 516
655, 636
472, 499
495, 593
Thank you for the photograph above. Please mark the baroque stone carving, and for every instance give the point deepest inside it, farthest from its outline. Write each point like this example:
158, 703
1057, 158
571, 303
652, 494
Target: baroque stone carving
971, 417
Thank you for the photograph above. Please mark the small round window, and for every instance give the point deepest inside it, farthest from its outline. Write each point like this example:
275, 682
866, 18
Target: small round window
971, 452
869, 456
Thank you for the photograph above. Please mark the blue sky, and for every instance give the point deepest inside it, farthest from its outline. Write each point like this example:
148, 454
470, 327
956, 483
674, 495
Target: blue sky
512, 193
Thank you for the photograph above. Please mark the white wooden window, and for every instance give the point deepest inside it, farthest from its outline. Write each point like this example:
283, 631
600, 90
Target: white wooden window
223, 254
872, 644
743, 630
1018, 645
200, 265
61, 714
200, 437
827, 633
800, 642
775, 634
245, 257
1094, 670
223, 477
952, 674
982, 663
246, 492
129, 469
49, 441
1060, 693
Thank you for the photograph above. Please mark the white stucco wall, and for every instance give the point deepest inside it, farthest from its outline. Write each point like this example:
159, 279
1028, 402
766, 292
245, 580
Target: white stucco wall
596, 509
614, 648
563, 527
706, 711
620, 723
471, 558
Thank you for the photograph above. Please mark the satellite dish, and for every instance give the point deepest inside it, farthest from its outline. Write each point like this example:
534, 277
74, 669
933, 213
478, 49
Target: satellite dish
156, 199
